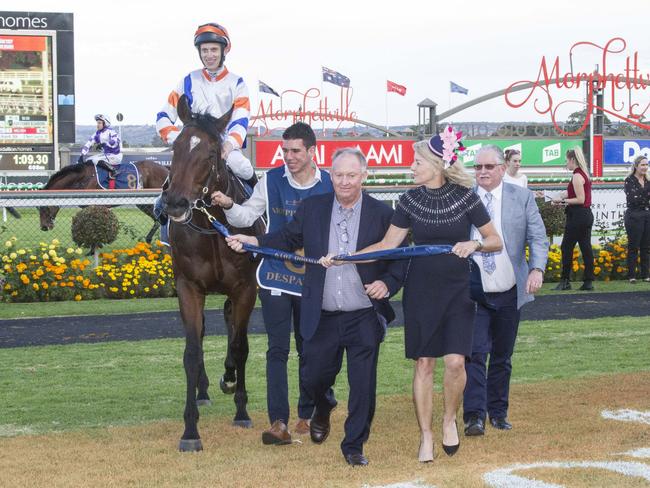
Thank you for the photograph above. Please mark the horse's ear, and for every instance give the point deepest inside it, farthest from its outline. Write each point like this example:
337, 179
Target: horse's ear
184, 111
222, 122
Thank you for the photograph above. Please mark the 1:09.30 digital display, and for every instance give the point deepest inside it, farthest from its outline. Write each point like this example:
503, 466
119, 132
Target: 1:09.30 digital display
30, 159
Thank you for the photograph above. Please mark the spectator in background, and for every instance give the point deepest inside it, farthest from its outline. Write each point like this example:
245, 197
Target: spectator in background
510, 278
579, 220
637, 219
513, 163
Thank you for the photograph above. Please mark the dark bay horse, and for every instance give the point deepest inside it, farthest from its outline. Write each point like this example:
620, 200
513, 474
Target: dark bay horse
83, 177
203, 263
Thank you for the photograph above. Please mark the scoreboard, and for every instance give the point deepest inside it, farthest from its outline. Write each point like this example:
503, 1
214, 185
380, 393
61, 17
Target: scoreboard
36, 89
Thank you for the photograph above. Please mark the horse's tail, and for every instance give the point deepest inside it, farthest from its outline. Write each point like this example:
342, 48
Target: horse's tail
152, 173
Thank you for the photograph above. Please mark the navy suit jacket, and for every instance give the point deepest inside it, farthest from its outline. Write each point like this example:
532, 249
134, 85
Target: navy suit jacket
310, 229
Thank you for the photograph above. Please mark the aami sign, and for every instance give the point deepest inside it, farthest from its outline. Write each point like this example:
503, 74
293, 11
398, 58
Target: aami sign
380, 153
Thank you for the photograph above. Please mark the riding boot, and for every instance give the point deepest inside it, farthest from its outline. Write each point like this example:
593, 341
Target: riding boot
159, 212
112, 172
564, 284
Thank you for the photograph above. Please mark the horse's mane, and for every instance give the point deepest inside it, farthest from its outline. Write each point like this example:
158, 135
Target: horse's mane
65, 171
207, 123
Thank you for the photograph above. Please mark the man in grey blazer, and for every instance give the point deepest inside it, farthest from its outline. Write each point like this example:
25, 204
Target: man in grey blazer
509, 281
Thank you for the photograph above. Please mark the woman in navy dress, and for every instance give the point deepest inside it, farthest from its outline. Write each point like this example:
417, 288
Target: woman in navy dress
438, 311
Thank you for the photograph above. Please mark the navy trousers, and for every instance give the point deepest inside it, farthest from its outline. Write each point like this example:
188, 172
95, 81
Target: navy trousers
495, 332
279, 311
358, 334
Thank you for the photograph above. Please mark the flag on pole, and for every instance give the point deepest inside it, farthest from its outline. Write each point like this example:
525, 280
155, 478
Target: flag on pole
267, 89
394, 87
335, 77
454, 88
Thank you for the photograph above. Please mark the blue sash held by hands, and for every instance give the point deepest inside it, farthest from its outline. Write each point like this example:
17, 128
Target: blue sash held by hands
476, 287
397, 253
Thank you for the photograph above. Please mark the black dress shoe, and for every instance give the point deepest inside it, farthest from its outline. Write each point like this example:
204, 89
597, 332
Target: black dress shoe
501, 423
319, 428
356, 459
475, 426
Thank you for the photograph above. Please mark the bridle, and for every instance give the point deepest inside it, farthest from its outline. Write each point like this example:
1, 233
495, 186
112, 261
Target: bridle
203, 202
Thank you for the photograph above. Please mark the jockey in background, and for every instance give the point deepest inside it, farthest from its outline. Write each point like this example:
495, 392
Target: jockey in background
110, 144
213, 90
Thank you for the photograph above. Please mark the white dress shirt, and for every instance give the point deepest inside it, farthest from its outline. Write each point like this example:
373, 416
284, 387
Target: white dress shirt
248, 212
503, 278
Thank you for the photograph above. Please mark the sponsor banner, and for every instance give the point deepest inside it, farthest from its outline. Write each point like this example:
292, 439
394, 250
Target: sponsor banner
380, 153
621, 151
607, 205
534, 152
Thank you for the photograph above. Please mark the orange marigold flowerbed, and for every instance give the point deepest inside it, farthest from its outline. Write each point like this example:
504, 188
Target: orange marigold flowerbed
52, 273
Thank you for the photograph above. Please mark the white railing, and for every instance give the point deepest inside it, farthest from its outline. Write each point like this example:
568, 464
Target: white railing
74, 198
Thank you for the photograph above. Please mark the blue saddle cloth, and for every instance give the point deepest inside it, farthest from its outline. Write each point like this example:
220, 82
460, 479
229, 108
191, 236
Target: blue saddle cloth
128, 177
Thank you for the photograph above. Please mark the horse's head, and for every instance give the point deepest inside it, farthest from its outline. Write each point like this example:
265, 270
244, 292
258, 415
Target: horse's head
197, 167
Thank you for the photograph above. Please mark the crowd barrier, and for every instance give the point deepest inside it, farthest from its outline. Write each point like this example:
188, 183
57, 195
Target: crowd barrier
608, 205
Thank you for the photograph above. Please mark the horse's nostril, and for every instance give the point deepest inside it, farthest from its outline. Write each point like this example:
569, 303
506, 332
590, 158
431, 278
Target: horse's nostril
43, 227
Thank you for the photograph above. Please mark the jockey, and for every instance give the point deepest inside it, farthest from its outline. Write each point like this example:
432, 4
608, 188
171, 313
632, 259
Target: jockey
213, 90
110, 143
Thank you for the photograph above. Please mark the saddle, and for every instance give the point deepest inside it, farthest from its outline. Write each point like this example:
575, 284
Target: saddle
127, 177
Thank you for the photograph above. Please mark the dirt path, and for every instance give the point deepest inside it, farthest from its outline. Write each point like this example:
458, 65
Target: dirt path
556, 421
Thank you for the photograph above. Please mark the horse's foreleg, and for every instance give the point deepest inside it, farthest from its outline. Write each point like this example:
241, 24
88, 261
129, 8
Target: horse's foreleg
239, 345
191, 303
229, 378
202, 397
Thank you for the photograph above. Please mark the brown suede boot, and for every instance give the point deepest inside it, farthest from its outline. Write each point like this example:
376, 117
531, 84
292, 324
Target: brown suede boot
277, 435
302, 427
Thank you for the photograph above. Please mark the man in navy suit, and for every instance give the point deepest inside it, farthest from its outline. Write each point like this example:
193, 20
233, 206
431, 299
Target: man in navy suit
343, 308
509, 281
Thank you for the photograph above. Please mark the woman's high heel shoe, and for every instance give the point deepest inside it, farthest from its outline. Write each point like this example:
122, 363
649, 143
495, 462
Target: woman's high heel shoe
451, 450
424, 456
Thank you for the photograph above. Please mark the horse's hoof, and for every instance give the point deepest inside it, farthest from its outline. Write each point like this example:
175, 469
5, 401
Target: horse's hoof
206, 402
190, 445
244, 424
228, 387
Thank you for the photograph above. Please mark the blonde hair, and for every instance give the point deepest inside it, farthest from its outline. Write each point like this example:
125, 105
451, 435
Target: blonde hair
578, 156
455, 173
637, 160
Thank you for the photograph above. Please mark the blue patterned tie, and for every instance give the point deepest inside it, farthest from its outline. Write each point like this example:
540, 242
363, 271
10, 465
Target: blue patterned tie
489, 264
